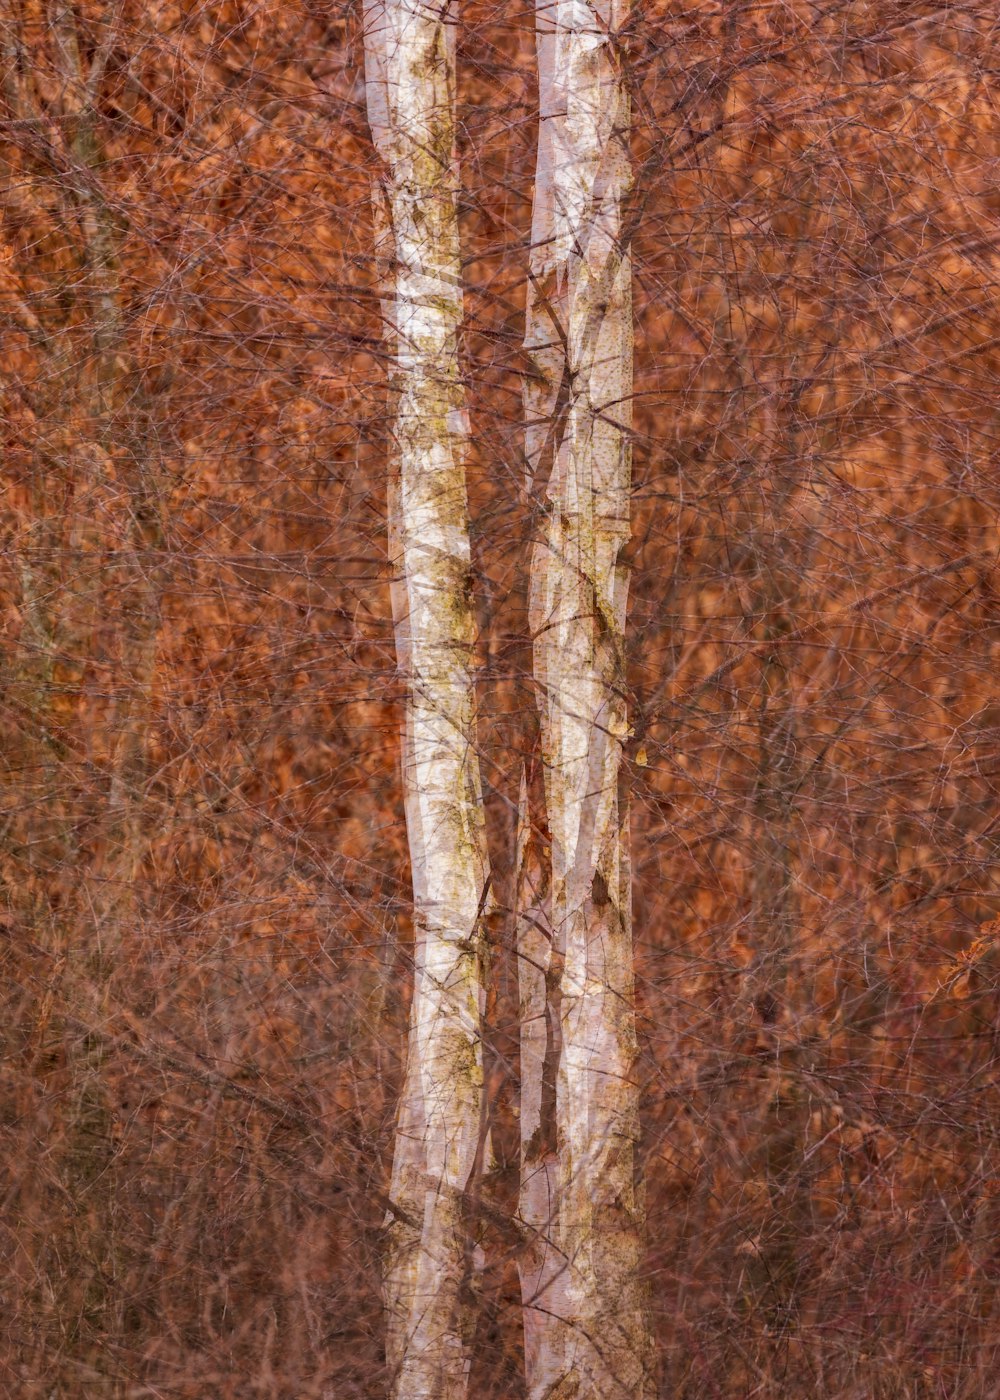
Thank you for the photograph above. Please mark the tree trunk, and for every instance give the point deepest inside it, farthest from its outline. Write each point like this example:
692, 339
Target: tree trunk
127, 455
589, 1332
541, 1264
429, 1264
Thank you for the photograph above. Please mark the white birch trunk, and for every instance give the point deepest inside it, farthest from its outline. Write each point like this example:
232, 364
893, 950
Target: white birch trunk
590, 1326
540, 1261
429, 1266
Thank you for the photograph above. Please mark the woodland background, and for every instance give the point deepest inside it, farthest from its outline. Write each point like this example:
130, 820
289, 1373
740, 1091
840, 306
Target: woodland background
204, 888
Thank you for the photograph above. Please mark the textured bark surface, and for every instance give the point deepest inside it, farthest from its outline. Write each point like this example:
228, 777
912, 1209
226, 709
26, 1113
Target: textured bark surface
430, 1266
588, 1334
541, 1262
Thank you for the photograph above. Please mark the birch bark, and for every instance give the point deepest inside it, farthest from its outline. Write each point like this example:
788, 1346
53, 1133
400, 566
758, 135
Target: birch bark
587, 1331
541, 1264
430, 1263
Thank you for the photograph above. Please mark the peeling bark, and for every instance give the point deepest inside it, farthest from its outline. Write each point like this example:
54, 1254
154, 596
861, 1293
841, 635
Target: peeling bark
591, 1335
430, 1257
540, 1262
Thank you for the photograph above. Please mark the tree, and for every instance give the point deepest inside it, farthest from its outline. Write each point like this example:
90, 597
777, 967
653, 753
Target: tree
586, 1328
410, 78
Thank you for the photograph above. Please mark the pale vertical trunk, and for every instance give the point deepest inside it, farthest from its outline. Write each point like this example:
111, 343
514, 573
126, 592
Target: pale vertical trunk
429, 1265
540, 1261
591, 1327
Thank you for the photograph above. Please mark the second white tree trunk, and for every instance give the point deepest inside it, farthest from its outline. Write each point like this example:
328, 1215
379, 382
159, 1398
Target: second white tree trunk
586, 1329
